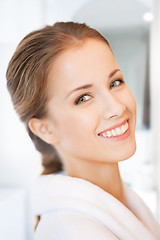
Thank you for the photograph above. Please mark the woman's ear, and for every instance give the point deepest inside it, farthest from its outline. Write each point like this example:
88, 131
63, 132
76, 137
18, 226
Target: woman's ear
44, 130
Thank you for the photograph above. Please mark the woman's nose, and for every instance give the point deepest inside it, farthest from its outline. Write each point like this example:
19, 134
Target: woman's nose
113, 107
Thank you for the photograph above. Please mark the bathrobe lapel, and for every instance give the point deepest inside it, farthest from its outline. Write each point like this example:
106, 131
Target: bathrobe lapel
58, 192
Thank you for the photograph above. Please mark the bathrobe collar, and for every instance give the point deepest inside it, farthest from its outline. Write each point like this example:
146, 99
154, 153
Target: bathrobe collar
59, 192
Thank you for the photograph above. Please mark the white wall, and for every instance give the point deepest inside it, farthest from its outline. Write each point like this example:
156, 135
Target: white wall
17, 18
19, 163
155, 95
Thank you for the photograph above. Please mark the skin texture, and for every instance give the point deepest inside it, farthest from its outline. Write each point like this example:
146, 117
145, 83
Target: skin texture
73, 125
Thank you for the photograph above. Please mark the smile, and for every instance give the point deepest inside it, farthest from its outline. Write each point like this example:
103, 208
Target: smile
118, 131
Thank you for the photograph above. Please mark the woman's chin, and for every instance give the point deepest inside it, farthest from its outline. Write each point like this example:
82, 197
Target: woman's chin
129, 154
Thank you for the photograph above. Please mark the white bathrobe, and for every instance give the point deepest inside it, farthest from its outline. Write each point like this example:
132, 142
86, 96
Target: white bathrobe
75, 209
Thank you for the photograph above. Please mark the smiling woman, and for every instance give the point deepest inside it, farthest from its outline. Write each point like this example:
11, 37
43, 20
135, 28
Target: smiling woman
67, 88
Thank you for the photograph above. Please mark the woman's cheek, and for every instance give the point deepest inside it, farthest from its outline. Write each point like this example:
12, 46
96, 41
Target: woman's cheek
130, 101
81, 122
133, 104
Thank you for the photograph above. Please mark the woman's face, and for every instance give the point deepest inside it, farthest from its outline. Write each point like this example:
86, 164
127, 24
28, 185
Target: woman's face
91, 107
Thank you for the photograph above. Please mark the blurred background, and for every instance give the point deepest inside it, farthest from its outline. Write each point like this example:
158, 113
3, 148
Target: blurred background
133, 30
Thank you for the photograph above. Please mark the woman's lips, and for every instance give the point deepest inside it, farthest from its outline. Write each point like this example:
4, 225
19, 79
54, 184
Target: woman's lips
116, 131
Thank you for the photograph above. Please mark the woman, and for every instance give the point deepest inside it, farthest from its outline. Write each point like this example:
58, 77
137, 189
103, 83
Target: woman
69, 91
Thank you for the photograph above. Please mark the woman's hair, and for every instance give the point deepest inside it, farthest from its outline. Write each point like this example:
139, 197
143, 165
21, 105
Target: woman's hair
27, 76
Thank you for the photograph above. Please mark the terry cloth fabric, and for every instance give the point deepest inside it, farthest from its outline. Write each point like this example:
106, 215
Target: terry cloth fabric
75, 209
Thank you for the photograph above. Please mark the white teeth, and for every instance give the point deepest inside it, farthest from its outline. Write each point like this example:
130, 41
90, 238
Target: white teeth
116, 132
104, 134
113, 131
123, 128
126, 125
109, 134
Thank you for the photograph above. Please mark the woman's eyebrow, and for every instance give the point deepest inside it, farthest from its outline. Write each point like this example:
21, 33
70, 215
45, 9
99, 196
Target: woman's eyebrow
113, 72
80, 88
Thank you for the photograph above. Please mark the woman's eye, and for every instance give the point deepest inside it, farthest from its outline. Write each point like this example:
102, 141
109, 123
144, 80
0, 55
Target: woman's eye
116, 83
83, 98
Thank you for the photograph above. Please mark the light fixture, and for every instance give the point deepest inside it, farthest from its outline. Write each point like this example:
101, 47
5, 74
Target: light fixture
148, 17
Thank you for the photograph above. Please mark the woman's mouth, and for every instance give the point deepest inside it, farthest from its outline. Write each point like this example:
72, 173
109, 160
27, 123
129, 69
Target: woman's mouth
117, 131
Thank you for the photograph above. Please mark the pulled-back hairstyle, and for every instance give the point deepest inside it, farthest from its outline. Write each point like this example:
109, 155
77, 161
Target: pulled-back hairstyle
27, 76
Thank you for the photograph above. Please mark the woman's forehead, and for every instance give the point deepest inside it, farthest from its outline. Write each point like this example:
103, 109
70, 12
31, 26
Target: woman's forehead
85, 55
78, 64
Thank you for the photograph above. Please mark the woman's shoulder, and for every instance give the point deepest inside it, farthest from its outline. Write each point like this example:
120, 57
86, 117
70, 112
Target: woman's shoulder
67, 225
69, 209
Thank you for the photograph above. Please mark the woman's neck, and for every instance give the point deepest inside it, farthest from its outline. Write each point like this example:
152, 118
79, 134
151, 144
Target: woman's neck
104, 175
